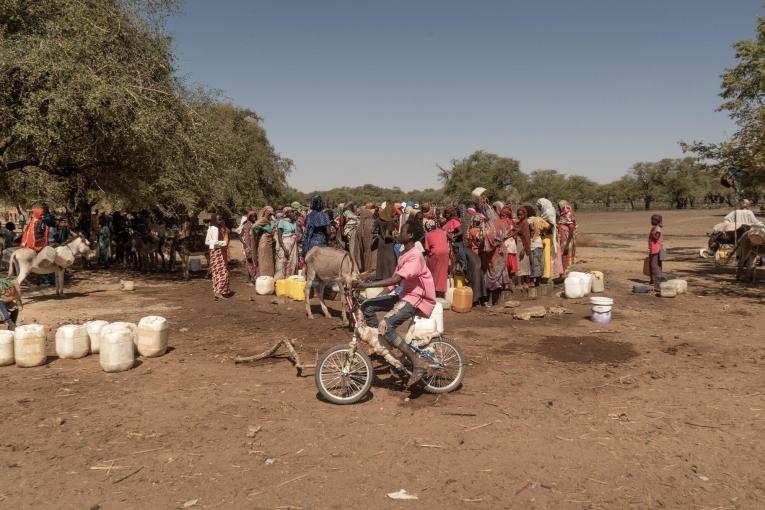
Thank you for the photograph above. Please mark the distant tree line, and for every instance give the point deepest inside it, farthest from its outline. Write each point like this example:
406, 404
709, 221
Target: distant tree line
675, 183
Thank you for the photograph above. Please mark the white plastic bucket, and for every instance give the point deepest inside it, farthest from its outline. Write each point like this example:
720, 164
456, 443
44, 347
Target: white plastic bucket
601, 309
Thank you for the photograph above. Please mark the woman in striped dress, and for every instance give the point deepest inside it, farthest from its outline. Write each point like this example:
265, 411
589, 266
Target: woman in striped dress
217, 244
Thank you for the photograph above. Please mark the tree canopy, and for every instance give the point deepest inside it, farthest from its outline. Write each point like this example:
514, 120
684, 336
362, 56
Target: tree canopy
743, 94
91, 109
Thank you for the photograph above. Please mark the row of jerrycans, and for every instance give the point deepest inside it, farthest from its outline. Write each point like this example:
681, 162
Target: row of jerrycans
116, 343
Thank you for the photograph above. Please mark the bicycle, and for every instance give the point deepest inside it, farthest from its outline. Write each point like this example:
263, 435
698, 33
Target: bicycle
344, 373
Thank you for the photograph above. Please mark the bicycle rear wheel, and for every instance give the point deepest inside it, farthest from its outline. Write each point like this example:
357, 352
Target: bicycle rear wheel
341, 380
449, 366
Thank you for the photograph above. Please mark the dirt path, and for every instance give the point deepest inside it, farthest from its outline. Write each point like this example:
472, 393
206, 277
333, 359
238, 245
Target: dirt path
663, 408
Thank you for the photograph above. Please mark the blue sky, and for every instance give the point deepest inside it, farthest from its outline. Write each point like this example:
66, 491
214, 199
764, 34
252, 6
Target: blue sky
382, 91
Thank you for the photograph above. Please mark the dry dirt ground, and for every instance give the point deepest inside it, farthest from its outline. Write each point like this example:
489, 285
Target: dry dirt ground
662, 408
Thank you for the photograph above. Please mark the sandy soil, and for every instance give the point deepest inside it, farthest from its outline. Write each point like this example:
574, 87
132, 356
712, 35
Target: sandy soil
662, 408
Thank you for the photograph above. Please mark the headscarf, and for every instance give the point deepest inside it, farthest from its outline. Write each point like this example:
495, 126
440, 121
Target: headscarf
37, 213
657, 220
547, 211
451, 212
498, 206
297, 206
252, 215
264, 217
387, 213
217, 222
317, 204
471, 211
506, 211
430, 225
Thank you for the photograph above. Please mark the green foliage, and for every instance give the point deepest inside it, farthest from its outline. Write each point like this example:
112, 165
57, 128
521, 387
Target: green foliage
502, 177
743, 92
91, 110
375, 194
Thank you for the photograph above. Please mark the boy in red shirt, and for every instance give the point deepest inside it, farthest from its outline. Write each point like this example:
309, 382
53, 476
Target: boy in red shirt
418, 294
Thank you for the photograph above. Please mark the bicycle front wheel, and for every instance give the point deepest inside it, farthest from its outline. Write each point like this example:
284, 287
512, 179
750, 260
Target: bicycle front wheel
341, 379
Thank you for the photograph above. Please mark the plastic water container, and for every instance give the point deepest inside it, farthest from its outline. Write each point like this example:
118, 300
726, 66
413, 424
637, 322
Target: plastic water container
598, 281
281, 287
681, 286
195, 265
601, 309
667, 289
463, 300
586, 279
72, 342
120, 325
573, 287
6, 348
94, 334
449, 296
29, 345
152, 335
264, 285
117, 350
434, 323
296, 288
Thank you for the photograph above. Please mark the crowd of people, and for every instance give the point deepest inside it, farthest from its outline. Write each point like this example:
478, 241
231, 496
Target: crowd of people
491, 246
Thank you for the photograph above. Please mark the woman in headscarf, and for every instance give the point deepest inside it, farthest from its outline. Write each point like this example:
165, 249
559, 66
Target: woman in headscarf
366, 229
264, 240
248, 242
217, 243
437, 249
35, 234
655, 244
385, 242
566, 234
523, 242
506, 215
286, 253
496, 232
551, 253
475, 232
453, 229
317, 225
351, 233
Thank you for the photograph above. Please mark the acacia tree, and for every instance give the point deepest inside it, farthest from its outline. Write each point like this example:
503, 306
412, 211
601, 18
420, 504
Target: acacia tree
502, 177
88, 95
743, 92
91, 109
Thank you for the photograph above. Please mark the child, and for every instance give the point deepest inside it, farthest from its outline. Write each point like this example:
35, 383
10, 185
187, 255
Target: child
655, 243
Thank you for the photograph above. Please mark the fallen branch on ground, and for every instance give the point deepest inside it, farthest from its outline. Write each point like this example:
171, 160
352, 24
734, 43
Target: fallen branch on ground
291, 354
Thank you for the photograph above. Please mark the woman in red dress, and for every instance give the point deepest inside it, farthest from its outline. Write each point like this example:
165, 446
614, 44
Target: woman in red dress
437, 247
